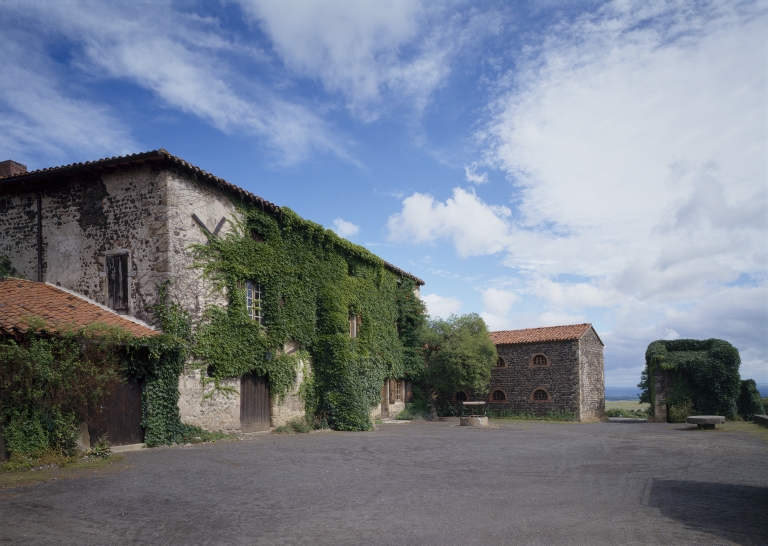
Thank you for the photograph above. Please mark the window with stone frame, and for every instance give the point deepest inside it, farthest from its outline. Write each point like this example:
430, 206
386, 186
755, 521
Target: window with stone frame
540, 395
354, 324
117, 282
498, 396
460, 396
539, 360
500, 363
253, 301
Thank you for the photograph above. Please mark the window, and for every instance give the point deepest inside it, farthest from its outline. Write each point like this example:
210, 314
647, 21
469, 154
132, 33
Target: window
500, 362
354, 324
117, 282
460, 396
395, 390
256, 236
498, 396
253, 295
540, 395
539, 360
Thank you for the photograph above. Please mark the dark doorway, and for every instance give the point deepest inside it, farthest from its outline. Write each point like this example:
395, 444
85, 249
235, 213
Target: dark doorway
119, 416
254, 403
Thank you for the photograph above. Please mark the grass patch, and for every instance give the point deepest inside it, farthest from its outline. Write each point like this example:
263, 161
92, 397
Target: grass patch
301, 426
196, 435
625, 405
562, 416
75, 469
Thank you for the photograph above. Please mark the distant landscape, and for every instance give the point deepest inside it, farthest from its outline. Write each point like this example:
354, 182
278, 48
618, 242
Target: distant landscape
631, 393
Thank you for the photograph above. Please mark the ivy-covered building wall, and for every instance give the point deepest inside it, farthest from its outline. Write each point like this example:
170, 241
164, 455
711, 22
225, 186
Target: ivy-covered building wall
115, 230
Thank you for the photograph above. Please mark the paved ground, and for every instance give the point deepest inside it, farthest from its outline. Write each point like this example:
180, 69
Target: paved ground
420, 483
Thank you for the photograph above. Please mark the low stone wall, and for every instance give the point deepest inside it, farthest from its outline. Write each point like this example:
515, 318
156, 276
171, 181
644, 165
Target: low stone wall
761, 419
219, 412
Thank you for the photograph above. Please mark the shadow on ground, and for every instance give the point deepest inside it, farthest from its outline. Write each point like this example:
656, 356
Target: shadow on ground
736, 512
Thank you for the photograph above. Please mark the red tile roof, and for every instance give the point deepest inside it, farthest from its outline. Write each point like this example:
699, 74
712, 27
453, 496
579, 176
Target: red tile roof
21, 299
162, 155
537, 335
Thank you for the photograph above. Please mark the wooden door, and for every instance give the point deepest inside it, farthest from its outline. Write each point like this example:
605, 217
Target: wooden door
120, 416
254, 403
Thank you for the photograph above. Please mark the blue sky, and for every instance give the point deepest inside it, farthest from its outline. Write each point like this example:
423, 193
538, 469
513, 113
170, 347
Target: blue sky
599, 162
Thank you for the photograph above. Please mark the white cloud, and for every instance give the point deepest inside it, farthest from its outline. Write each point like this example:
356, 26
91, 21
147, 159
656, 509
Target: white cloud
473, 177
362, 50
472, 225
635, 141
441, 306
40, 117
497, 322
182, 59
344, 228
498, 301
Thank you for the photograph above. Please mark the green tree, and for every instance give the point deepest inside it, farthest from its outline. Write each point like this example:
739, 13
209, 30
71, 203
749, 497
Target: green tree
458, 355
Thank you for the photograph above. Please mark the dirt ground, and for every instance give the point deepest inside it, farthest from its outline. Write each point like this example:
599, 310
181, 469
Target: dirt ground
418, 483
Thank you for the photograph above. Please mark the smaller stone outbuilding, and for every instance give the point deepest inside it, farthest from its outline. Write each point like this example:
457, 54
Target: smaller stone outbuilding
555, 369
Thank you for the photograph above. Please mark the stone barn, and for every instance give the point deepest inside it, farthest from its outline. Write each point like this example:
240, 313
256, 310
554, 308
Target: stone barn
113, 230
548, 370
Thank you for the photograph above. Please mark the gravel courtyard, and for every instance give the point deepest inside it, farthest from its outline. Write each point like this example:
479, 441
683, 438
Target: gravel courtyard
417, 483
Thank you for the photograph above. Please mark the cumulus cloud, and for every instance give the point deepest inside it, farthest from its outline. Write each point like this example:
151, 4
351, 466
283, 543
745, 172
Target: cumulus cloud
362, 50
344, 228
634, 139
498, 301
441, 306
473, 226
641, 145
181, 59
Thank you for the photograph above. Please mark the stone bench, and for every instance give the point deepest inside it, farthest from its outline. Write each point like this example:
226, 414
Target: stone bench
760, 419
705, 422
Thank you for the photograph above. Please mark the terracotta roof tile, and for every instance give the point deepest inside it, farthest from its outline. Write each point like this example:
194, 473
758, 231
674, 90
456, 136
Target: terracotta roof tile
21, 299
538, 335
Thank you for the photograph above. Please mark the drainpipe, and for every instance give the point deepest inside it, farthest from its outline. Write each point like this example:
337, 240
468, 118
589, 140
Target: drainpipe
39, 237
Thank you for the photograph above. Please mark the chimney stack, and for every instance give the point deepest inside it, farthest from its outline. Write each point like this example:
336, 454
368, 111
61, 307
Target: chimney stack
11, 168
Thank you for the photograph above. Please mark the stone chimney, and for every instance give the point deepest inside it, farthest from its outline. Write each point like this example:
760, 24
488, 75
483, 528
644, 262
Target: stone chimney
11, 168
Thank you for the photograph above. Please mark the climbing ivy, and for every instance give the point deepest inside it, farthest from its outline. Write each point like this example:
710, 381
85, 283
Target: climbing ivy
702, 373
313, 281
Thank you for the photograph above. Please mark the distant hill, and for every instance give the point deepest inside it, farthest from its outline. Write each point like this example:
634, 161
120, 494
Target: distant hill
631, 393
621, 393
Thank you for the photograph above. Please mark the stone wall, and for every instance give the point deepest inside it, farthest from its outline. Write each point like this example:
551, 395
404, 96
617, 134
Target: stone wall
291, 406
219, 412
84, 217
519, 378
592, 376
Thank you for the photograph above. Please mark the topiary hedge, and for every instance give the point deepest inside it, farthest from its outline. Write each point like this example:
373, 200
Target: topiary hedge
703, 375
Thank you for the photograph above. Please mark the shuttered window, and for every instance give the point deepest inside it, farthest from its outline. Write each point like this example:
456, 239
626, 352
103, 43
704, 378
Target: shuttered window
117, 282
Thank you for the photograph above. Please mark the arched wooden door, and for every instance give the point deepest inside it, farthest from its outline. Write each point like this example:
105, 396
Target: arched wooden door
254, 403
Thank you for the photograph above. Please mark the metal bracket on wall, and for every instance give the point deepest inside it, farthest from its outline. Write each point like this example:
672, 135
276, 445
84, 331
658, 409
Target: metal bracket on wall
215, 232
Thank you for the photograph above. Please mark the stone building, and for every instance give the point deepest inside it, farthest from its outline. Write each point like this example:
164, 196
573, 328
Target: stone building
114, 229
548, 370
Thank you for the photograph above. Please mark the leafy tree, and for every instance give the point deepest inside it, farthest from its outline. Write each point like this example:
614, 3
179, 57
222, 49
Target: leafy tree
458, 355
749, 402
